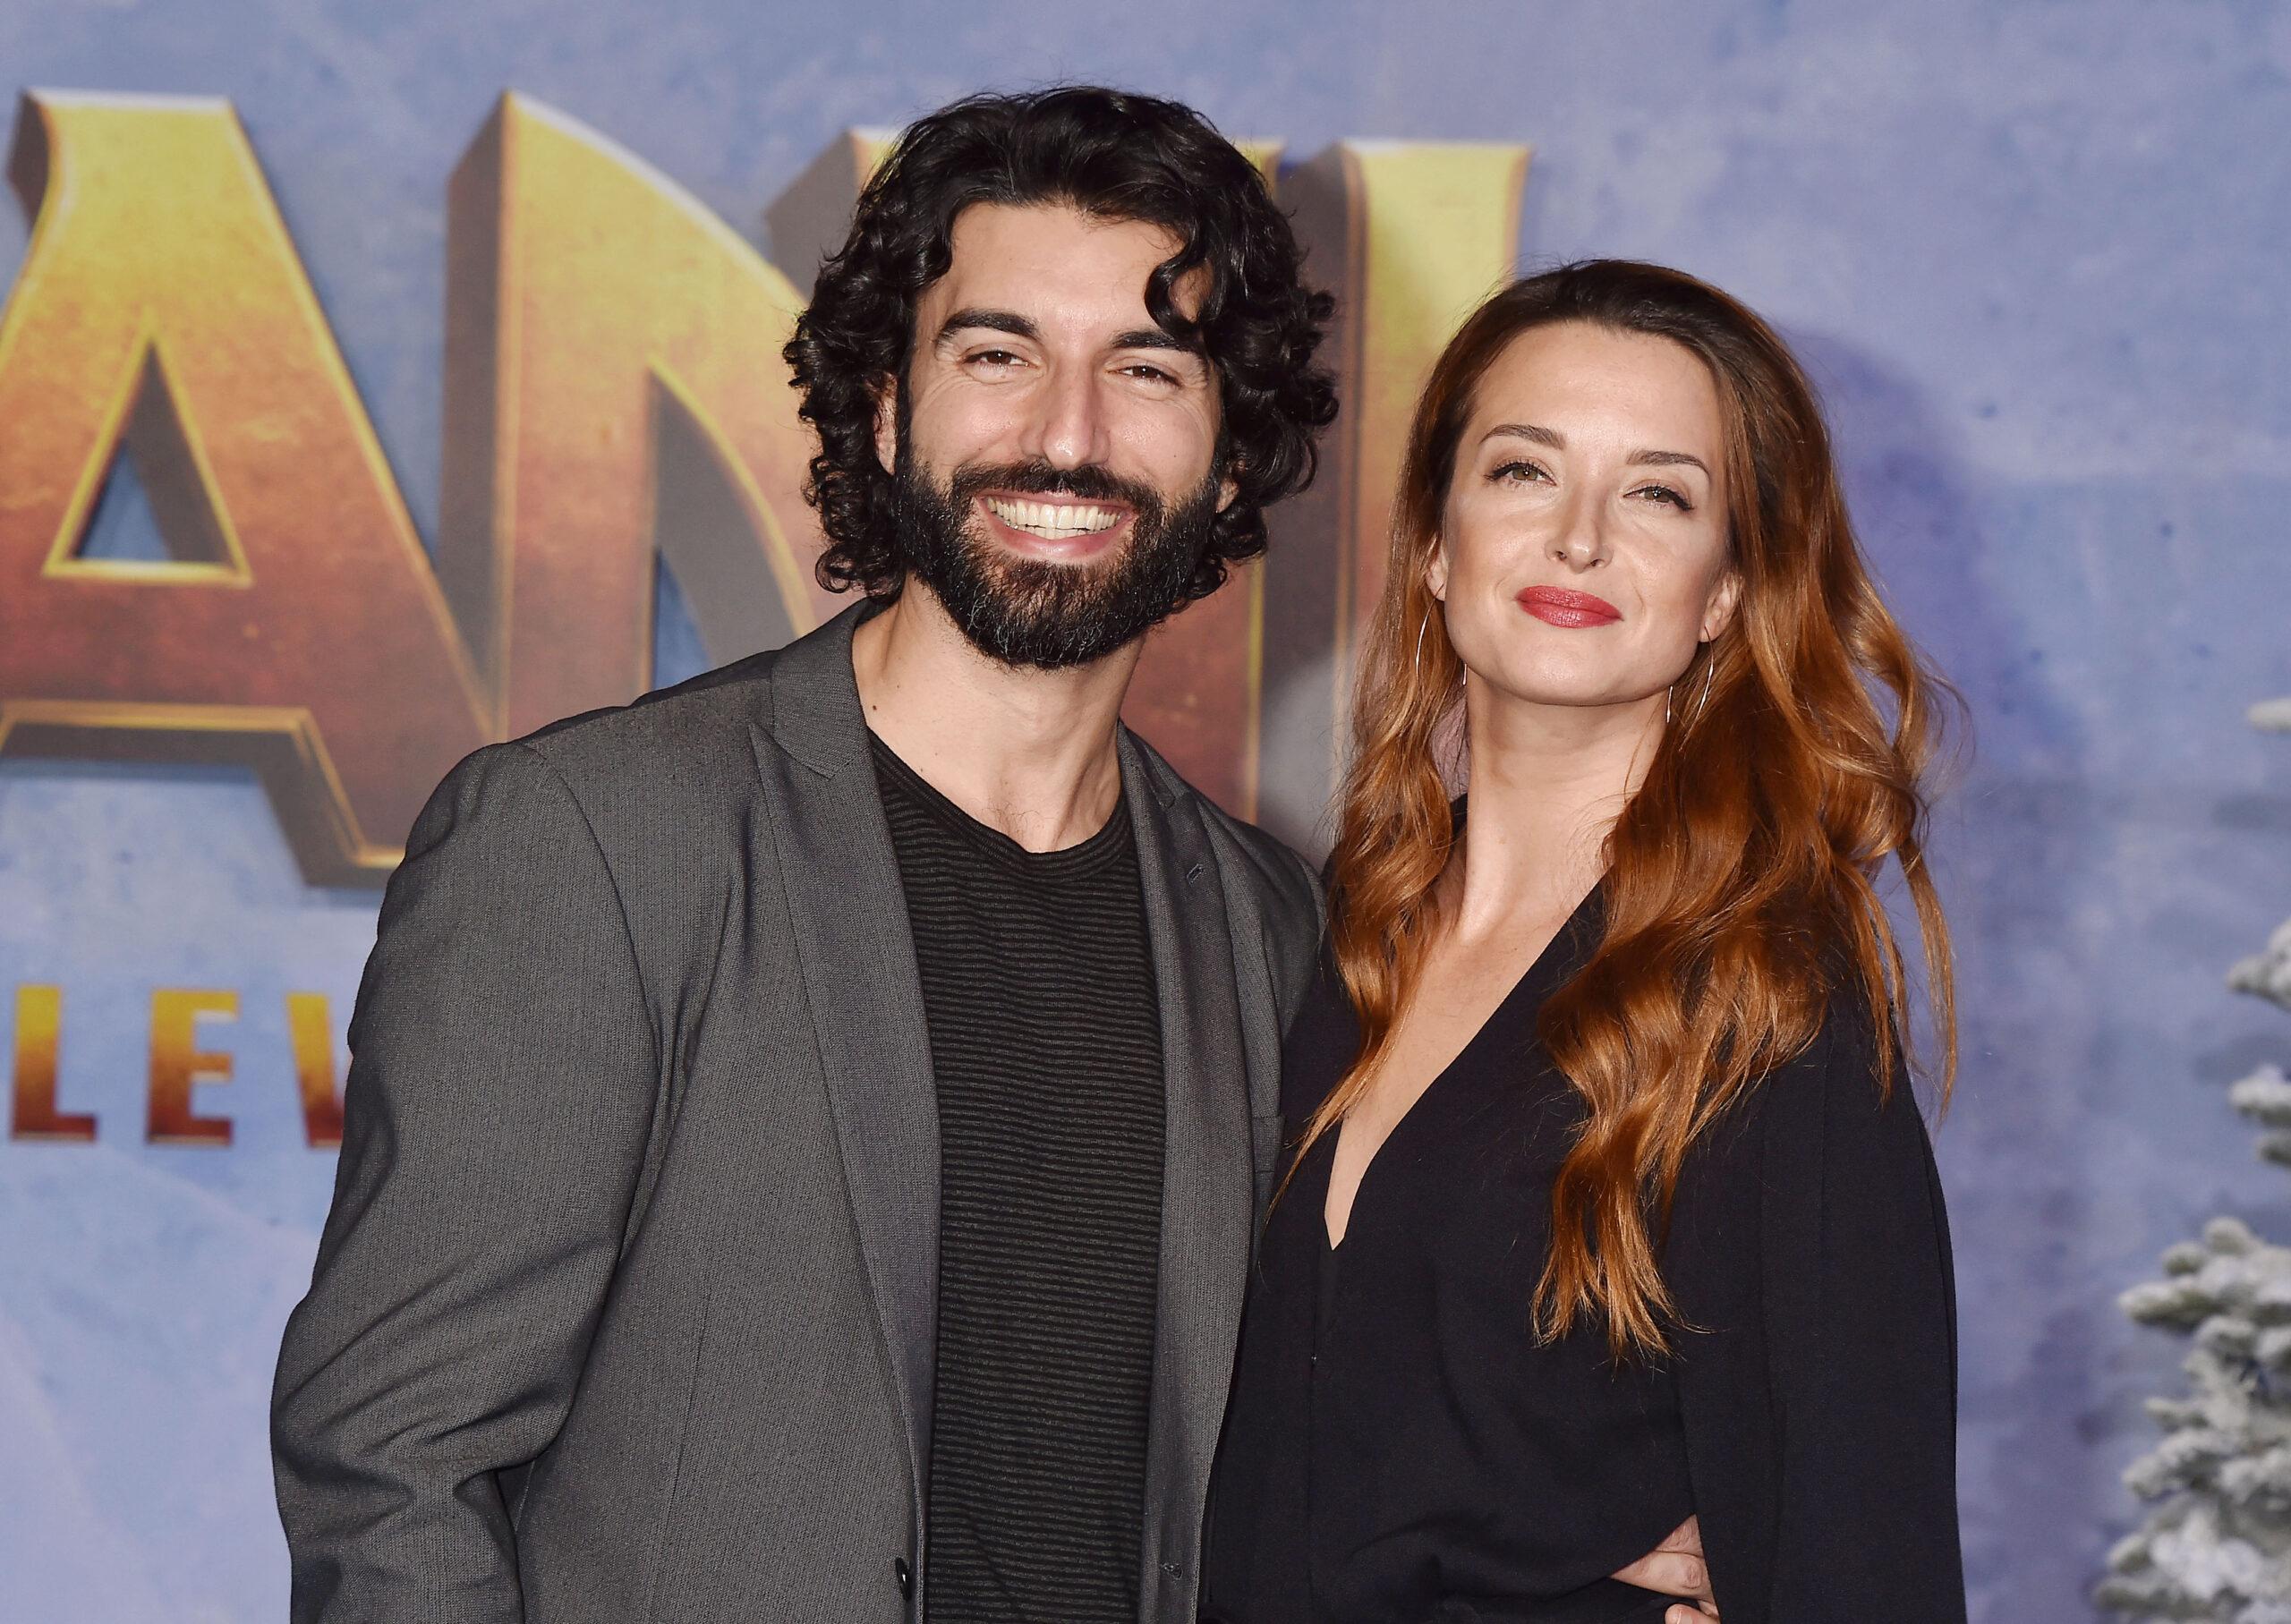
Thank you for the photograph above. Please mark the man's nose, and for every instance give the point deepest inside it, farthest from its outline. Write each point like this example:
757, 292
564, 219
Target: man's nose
1067, 428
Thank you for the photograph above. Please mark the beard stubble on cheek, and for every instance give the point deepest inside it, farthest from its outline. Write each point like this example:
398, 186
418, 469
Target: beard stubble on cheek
1036, 611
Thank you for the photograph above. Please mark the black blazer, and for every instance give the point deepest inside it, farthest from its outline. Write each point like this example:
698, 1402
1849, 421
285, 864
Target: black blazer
1400, 1447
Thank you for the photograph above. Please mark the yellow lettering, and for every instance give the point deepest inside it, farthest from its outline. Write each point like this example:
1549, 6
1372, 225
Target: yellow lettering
614, 383
1410, 236
298, 629
312, 1036
178, 1066
39, 1024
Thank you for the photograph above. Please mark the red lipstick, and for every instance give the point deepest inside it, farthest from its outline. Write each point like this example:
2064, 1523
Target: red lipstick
1561, 607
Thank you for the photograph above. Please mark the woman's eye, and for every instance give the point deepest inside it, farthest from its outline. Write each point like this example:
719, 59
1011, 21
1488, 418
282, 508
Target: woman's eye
1664, 493
1518, 473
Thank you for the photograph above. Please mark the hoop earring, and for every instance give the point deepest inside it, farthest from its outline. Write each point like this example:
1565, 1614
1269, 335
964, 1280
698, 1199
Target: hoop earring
1418, 666
1702, 701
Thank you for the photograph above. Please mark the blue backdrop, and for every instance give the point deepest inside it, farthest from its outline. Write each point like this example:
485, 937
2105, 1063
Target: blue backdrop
2035, 255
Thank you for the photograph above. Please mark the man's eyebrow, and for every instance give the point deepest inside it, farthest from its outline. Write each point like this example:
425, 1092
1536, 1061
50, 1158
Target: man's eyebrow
992, 321
1153, 338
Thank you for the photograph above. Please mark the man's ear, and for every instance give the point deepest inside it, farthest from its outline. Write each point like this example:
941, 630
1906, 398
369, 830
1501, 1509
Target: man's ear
887, 423
1228, 488
1725, 598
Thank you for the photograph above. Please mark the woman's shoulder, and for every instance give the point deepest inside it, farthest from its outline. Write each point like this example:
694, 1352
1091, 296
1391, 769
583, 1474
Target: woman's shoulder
1839, 1075
1826, 1163
1823, 1171
1844, 1084
1810, 1130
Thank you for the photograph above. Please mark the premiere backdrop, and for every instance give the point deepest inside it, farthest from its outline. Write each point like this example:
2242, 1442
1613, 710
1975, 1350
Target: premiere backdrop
379, 380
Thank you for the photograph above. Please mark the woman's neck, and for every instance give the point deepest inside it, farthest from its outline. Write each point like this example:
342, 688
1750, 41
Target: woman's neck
1546, 783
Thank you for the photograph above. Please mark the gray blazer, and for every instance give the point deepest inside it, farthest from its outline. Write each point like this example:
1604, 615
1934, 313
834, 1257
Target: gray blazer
624, 1310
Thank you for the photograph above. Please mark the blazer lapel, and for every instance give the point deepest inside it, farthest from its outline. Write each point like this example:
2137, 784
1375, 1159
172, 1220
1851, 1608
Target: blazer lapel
857, 947
848, 910
1207, 1206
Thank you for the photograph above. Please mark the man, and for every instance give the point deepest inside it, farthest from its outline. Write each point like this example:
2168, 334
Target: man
805, 1129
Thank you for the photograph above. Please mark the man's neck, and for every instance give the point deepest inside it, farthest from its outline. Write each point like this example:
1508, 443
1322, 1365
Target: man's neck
1026, 751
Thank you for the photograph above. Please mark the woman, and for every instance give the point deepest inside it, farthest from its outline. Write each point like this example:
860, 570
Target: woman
1612, 1206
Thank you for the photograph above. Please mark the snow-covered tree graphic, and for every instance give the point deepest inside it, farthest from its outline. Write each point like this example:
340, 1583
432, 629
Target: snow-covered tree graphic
2217, 1545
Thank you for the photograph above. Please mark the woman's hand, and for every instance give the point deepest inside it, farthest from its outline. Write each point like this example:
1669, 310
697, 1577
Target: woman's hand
1676, 1568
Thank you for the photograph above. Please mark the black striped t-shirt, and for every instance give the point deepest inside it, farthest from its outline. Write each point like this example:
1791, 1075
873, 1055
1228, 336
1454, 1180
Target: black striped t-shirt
1046, 1048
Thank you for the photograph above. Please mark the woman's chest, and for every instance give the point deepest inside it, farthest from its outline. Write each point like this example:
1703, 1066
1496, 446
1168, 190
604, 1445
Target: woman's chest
1437, 1443
1459, 1186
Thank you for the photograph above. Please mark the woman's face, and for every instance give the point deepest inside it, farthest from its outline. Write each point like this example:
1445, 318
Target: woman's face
1582, 553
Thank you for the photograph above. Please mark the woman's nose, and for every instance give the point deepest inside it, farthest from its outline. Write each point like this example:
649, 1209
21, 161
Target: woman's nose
1581, 542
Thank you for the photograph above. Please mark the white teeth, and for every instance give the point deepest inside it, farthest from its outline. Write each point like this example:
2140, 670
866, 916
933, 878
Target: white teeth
1053, 521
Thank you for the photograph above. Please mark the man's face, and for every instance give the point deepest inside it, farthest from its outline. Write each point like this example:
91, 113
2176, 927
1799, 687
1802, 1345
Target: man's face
1056, 455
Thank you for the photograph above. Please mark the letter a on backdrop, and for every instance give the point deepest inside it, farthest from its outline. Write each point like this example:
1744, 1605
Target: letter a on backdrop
298, 629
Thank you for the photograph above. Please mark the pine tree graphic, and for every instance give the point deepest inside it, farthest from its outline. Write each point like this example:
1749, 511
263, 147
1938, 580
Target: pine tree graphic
2217, 1544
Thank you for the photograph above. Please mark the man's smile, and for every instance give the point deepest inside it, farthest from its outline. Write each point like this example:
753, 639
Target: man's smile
1066, 529
1054, 520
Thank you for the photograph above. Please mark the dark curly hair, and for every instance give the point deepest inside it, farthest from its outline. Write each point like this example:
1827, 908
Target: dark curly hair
1112, 155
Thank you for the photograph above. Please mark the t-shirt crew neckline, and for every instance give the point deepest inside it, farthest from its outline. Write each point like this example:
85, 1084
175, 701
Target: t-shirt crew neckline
1110, 845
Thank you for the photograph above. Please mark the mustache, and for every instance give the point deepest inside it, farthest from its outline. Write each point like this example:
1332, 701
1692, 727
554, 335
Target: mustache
1090, 482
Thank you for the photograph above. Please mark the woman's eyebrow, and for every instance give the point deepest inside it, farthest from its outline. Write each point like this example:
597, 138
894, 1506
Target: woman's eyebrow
1557, 441
1536, 433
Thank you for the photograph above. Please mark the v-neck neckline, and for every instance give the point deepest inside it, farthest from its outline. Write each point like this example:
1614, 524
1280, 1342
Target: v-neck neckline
1569, 928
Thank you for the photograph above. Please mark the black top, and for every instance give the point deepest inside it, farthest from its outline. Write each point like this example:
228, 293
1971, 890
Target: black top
1402, 1449
1046, 1047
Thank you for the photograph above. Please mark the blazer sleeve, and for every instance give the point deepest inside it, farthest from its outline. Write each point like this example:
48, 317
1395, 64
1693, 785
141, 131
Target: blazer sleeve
498, 1102
1809, 1250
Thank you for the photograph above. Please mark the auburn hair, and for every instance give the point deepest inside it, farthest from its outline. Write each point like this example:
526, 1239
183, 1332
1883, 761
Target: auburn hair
1740, 895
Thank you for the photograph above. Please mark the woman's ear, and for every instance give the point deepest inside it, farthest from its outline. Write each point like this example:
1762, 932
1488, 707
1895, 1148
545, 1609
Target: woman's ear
1435, 570
1725, 598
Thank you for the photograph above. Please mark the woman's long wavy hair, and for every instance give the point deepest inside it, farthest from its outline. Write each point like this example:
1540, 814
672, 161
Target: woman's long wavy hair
1740, 894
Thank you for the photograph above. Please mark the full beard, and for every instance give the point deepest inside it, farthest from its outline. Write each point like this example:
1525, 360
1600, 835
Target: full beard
1033, 611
